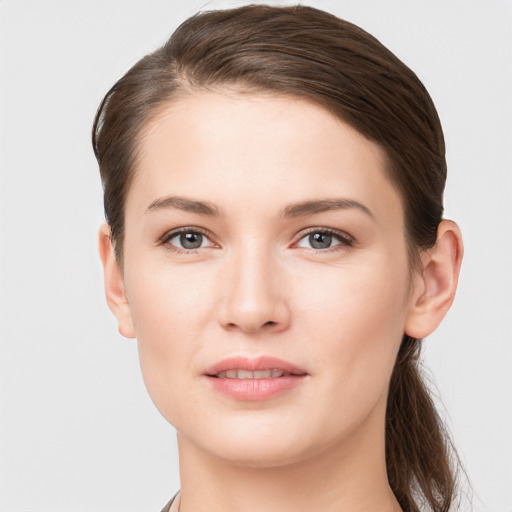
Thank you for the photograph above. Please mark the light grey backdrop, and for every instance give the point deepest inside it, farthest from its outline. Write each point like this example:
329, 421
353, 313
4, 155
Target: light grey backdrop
77, 430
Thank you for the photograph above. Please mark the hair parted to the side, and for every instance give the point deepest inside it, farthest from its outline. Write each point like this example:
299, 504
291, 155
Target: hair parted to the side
307, 53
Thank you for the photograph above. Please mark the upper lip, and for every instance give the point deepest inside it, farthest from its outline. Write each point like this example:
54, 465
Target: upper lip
253, 364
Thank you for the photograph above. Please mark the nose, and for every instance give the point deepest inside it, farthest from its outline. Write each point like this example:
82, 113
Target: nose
254, 294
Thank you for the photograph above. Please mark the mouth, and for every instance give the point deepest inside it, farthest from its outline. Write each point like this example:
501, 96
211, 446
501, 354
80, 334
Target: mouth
248, 374
254, 379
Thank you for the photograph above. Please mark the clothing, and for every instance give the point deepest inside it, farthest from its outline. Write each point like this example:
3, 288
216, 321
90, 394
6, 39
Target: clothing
175, 500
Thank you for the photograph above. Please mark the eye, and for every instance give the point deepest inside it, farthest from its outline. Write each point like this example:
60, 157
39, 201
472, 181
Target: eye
324, 239
187, 240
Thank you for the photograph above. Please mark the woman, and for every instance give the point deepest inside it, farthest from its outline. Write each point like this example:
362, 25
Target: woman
273, 185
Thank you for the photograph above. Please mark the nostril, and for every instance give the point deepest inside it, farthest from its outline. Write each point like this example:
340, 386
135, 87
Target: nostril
253, 327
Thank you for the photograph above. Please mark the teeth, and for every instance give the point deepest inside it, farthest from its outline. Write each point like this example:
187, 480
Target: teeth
262, 374
248, 374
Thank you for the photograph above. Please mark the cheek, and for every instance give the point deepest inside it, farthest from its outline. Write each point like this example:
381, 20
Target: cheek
174, 313
166, 301
355, 324
170, 310
364, 301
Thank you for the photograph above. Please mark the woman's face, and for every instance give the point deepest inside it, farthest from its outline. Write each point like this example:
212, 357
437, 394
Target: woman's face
263, 234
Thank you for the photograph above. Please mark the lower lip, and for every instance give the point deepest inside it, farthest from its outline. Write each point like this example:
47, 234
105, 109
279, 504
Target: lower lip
256, 389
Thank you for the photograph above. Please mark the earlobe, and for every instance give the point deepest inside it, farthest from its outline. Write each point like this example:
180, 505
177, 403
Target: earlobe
115, 292
435, 287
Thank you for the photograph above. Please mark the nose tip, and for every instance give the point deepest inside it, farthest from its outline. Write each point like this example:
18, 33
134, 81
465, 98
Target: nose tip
254, 298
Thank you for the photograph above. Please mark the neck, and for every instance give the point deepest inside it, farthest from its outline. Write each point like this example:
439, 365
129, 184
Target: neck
350, 476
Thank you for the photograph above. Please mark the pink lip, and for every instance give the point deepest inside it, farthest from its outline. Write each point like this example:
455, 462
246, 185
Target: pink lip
254, 389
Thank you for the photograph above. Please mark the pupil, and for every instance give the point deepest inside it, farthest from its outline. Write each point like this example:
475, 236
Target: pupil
191, 240
320, 240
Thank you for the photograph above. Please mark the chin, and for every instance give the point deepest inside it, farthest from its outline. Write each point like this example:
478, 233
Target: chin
258, 441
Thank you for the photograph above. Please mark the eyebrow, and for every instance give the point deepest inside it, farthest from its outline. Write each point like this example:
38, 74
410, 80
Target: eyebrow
301, 209
187, 205
323, 205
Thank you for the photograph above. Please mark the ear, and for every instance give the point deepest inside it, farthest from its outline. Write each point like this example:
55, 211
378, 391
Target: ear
114, 284
434, 287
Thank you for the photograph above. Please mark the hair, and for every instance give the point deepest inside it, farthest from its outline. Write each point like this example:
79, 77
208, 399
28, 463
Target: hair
312, 55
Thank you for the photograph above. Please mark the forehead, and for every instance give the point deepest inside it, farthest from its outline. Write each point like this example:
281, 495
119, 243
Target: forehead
267, 149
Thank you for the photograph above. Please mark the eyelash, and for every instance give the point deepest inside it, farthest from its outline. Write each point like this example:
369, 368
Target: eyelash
188, 229
346, 241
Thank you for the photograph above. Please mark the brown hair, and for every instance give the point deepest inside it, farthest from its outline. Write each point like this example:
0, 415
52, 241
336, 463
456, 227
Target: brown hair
310, 54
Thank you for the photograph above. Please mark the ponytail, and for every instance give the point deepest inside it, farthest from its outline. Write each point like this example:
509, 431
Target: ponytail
418, 449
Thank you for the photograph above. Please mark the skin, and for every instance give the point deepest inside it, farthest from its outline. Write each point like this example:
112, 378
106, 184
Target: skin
256, 286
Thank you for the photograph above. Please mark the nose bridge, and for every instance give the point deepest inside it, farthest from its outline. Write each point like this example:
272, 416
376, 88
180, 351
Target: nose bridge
253, 298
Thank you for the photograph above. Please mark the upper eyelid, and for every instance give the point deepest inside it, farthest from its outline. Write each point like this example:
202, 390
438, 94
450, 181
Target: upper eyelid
337, 232
185, 229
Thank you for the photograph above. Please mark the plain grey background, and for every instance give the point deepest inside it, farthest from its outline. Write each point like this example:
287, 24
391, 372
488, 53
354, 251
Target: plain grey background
77, 429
